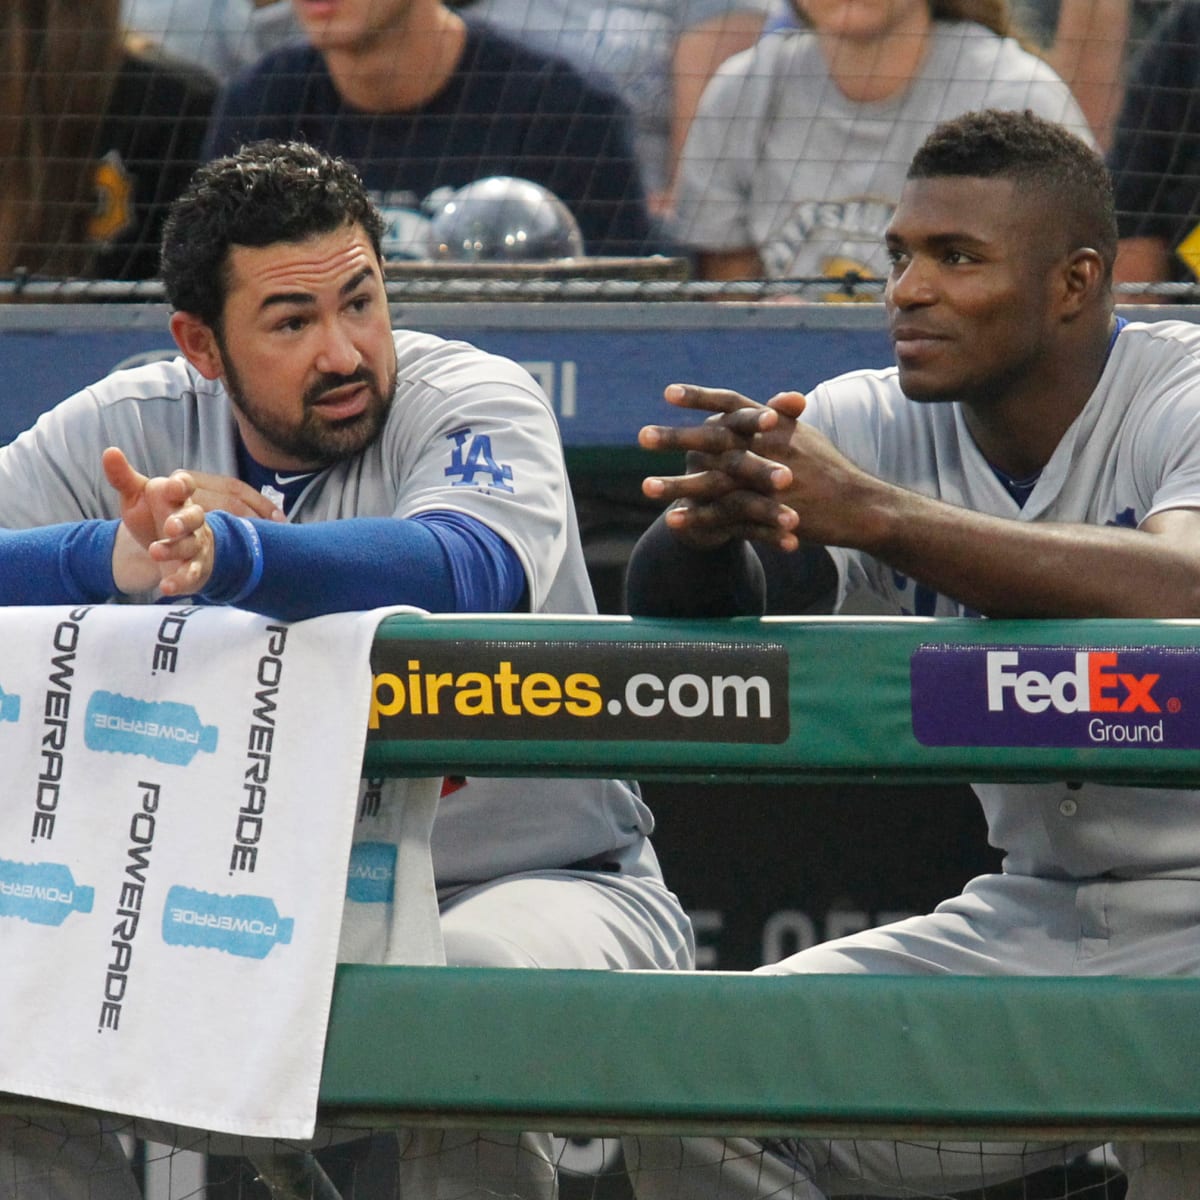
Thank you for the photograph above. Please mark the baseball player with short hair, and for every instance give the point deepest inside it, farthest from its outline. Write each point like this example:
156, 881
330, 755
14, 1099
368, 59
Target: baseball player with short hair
359, 467
1030, 455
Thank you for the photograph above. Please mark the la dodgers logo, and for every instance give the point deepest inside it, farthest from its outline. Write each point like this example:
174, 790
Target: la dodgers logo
472, 456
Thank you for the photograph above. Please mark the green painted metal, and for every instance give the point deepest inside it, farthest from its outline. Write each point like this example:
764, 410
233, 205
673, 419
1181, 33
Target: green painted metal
763, 1054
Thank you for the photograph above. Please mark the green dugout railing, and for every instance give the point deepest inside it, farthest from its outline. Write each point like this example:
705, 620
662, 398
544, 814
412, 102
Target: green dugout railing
891, 699
722, 1053
818, 698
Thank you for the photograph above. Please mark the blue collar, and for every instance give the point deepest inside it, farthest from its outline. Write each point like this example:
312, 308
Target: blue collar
283, 487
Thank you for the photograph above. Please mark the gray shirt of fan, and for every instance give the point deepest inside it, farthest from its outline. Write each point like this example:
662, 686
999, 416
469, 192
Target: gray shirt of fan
779, 160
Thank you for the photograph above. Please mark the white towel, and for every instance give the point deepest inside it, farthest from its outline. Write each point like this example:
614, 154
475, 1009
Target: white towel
180, 796
391, 913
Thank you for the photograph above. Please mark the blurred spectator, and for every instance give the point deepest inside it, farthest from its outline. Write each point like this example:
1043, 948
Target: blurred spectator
797, 154
1041, 17
222, 36
1088, 52
1083, 40
423, 103
97, 140
1155, 158
659, 54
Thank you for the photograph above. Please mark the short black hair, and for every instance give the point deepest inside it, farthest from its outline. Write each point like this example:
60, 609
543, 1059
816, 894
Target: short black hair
268, 192
1042, 155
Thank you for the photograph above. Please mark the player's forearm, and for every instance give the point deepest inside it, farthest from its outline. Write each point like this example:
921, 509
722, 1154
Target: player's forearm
298, 571
58, 564
667, 578
1008, 568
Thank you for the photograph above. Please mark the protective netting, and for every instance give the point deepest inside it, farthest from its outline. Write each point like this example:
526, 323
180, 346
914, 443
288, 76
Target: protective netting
707, 129
467, 288
76, 1156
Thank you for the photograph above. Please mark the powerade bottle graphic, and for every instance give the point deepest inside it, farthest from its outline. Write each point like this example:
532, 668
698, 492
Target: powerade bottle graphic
248, 926
10, 706
159, 729
371, 878
44, 893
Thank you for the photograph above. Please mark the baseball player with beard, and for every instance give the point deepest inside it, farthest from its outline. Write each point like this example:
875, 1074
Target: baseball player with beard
360, 467
1030, 455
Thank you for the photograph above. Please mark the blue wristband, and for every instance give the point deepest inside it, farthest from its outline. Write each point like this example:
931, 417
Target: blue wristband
253, 545
237, 559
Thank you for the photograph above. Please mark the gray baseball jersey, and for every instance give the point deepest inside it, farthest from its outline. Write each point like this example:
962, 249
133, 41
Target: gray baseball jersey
1098, 880
1133, 451
468, 432
780, 160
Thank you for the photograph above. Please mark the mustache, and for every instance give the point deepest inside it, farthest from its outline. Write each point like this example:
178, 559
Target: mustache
329, 383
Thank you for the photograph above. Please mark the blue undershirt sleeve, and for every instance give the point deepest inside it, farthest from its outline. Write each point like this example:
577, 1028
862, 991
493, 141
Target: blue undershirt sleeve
58, 564
488, 576
440, 561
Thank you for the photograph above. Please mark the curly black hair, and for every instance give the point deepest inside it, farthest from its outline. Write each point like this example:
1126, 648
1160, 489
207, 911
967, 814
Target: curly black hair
268, 192
1067, 175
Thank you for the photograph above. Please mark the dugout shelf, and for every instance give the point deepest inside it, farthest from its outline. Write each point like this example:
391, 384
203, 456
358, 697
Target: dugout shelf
722, 1052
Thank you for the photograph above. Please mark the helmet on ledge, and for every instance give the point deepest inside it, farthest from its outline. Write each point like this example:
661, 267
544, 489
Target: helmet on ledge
504, 219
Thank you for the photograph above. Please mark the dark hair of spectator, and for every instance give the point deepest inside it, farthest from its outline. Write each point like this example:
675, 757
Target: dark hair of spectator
1067, 175
58, 61
266, 193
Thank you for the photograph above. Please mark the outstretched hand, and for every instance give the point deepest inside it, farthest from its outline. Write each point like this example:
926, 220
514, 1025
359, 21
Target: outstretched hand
164, 539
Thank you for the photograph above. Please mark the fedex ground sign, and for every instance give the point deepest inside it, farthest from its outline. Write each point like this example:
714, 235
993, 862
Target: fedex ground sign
1056, 696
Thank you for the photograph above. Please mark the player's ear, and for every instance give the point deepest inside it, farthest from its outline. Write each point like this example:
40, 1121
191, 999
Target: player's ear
1083, 280
198, 344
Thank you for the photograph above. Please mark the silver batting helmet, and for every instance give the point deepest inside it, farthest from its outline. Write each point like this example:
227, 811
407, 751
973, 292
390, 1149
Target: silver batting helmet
504, 219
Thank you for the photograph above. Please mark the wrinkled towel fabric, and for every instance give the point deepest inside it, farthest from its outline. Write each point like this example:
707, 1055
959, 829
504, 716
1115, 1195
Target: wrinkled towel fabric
181, 793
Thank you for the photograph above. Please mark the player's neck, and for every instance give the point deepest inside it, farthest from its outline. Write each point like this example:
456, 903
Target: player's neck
1018, 437
403, 69
869, 70
1019, 430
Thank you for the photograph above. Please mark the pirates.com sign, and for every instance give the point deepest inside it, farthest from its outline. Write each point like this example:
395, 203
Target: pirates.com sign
566, 690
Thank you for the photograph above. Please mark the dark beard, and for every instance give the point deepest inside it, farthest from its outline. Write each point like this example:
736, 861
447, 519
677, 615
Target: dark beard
314, 440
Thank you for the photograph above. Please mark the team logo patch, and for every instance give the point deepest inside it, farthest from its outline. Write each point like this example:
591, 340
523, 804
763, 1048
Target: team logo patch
472, 463
1056, 696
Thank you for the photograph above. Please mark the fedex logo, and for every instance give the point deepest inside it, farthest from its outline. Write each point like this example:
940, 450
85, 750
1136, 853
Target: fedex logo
1095, 685
1078, 696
